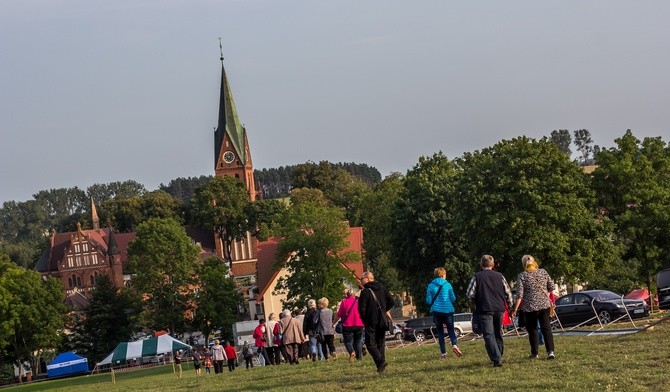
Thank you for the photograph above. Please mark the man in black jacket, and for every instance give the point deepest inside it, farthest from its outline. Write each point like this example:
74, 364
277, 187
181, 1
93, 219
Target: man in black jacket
489, 291
374, 304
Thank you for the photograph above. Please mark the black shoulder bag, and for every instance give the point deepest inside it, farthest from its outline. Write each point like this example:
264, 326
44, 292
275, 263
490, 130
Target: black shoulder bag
385, 321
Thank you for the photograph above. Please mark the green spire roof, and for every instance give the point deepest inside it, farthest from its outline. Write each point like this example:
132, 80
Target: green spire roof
228, 122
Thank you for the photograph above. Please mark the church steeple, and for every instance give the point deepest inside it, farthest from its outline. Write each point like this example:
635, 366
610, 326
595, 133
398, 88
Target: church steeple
231, 146
94, 216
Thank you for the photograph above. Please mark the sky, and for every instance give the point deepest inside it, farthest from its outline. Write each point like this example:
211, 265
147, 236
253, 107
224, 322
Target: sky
96, 91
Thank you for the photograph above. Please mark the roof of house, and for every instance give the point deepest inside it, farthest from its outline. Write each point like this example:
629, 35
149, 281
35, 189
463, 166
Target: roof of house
61, 241
76, 300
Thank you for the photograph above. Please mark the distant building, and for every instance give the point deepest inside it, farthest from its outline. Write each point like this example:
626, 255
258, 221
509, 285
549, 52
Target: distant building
79, 257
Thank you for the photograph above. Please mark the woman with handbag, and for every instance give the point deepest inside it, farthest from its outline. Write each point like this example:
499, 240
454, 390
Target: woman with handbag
533, 286
327, 329
310, 327
441, 299
352, 325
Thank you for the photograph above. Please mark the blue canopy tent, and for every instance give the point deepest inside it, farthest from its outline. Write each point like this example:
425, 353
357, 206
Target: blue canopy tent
66, 364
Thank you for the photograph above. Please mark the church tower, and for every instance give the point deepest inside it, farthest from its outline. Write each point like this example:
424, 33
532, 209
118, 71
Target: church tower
232, 157
231, 146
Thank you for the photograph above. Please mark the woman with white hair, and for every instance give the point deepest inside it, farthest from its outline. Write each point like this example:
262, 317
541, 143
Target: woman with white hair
310, 325
272, 339
533, 286
326, 325
292, 336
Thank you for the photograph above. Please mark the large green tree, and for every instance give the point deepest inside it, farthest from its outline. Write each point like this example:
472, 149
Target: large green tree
374, 211
110, 319
217, 299
313, 252
424, 237
163, 259
222, 205
124, 189
633, 186
31, 313
338, 185
523, 196
125, 213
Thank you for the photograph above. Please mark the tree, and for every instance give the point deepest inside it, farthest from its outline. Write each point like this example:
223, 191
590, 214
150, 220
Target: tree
423, 236
32, 312
182, 188
309, 195
109, 319
374, 212
163, 258
563, 140
125, 213
632, 182
60, 204
313, 252
338, 186
264, 217
583, 142
523, 196
126, 189
222, 205
217, 300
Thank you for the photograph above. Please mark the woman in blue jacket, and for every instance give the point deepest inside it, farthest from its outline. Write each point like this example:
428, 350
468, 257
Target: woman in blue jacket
441, 298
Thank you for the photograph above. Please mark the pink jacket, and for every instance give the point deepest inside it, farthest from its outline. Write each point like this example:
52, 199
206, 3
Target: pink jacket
350, 305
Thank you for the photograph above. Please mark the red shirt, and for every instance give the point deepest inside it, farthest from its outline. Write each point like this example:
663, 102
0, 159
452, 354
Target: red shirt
230, 352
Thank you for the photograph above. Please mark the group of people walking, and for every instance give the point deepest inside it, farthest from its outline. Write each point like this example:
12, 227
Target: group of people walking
361, 322
364, 319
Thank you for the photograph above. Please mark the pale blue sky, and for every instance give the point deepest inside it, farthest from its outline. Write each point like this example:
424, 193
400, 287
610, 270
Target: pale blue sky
101, 91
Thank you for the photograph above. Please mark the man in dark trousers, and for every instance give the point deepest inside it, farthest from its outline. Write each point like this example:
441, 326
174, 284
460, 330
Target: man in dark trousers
373, 305
489, 291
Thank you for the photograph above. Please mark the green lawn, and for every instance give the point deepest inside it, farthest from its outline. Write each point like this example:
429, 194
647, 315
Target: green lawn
638, 362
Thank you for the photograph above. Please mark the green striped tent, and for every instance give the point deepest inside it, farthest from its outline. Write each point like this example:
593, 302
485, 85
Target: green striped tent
143, 348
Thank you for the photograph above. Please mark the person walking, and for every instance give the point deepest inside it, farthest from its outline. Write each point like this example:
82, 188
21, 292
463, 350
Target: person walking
260, 337
374, 304
534, 288
489, 291
326, 328
292, 336
441, 298
197, 361
208, 363
231, 355
272, 341
310, 327
352, 325
248, 355
218, 356
177, 363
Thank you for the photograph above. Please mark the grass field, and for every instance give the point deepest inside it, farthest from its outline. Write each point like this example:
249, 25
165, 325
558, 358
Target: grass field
637, 362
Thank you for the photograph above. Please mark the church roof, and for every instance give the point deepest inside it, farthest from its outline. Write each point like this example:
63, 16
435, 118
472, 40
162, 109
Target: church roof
61, 241
229, 122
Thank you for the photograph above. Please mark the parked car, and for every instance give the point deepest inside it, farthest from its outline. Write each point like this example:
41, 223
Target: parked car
663, 284
573, 309
423, 328
397, 333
